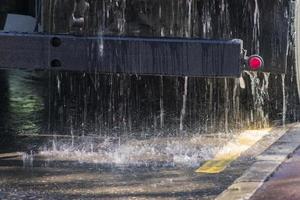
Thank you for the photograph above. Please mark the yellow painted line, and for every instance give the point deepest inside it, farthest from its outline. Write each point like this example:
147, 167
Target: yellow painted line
232, 151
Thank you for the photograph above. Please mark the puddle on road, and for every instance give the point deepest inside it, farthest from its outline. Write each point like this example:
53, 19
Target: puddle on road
109, 168
122, 168
114, 168
171, 151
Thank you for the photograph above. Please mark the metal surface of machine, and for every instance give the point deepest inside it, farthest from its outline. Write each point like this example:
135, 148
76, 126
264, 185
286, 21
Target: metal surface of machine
114, 54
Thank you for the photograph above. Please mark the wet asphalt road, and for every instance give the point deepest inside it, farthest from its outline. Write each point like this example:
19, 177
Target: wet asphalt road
66, 180
42, 178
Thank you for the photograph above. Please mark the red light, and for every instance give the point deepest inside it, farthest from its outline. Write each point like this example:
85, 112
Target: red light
255, 62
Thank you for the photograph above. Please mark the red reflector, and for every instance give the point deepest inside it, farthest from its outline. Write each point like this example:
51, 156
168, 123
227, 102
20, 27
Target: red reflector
255, 62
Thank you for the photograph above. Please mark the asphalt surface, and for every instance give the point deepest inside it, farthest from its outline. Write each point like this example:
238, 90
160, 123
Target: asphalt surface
62, 177
38, 176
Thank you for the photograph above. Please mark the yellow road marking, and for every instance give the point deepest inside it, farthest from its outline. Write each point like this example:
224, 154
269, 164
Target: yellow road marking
232, 151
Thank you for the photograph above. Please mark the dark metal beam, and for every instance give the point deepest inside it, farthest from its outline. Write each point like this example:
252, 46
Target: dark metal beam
148, 56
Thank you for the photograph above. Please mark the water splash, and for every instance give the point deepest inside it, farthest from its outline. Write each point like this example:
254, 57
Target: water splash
188, 151
28, 159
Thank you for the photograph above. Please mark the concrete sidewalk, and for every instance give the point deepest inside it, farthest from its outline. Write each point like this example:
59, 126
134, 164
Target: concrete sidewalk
284, 184
273, 175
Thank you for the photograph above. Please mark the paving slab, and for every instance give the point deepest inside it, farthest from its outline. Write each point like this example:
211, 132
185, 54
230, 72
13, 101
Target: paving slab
259, 171
263, 169
239, 191
284, 184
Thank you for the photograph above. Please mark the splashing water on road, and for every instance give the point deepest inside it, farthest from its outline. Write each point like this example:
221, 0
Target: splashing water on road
173, 151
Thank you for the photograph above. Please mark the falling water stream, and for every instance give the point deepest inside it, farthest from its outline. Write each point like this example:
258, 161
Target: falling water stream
284, 103
184, 97
130, 108
87, 133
